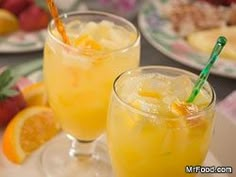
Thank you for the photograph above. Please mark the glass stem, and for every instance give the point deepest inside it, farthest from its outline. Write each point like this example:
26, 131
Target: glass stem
81, 148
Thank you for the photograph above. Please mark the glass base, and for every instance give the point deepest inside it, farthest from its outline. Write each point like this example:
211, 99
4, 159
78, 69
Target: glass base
57, 161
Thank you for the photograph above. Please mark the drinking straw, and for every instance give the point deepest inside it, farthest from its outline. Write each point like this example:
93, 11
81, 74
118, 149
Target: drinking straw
220, 43
59, 25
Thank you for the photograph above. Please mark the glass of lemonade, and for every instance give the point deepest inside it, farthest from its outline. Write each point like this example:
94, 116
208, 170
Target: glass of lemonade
152, 131
78, 80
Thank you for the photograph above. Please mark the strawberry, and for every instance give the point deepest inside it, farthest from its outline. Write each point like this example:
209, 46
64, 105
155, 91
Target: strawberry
34, 18
220, 2
15, 6
11, 99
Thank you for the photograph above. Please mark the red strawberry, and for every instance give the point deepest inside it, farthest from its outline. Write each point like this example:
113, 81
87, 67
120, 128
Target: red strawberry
11, 99
15, 6
34, 18
224, 2
220, 2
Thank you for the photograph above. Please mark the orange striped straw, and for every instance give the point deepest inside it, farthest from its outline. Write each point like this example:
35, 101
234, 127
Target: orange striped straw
59, 25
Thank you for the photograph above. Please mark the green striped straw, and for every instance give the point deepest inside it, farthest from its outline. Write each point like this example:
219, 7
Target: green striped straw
220, 43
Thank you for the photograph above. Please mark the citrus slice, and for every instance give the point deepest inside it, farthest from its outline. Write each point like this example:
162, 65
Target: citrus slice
27, 131
204, 40
35, 94
8, 22
87, 44
183, 108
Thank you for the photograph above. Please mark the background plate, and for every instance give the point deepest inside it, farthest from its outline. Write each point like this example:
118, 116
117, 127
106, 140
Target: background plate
157, 30
20, 42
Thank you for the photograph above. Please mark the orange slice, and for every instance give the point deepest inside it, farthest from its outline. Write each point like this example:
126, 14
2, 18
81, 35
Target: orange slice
8, 22
183, 108
86, 42
27, 131
35, 94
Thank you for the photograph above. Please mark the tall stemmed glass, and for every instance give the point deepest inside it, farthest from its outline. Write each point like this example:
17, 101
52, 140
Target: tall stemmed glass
79, 80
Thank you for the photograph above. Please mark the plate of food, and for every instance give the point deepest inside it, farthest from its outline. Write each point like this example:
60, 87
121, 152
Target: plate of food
23, 24
186, 32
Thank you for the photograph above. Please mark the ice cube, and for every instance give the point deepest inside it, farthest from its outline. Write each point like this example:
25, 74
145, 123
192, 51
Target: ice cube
90, 29
74, 25
149, 105
116, 36
169, 99
120, 36
72, 59
203, 98
109, 44
127, 88
107, 24
105, 27
155, 86
181, 87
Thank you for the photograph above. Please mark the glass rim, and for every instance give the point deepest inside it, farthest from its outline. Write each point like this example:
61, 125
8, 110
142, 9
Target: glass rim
90, 12
153, 115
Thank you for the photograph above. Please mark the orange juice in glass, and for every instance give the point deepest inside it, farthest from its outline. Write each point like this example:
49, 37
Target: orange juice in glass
79, 77
152, 131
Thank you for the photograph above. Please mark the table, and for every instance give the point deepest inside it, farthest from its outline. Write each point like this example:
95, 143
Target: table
149, 56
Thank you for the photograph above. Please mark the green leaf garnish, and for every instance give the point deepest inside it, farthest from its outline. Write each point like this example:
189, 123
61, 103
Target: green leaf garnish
5, 78
9, 92
41, 4
7, 81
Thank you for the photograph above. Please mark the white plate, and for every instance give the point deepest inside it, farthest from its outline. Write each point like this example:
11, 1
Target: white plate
20, 42
157, 30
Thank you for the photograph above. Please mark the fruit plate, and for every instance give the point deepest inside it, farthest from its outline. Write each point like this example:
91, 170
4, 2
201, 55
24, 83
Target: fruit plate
22, 42
157, 30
